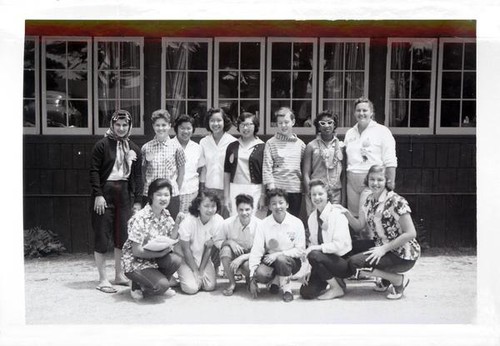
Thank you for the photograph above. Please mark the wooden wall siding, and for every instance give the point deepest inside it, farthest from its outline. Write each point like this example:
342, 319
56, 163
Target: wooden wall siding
437, 174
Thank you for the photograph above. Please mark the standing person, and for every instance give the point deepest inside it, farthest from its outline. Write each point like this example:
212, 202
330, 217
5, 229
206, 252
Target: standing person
115, 177
324, 160
235, 240
243, 164
367, 143
184, 128
151, 270
197, 233
396, 249
329, 244
214, 147
278, 245
283, 155
163, 158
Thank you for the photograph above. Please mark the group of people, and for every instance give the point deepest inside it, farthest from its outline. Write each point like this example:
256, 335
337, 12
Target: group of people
236, 203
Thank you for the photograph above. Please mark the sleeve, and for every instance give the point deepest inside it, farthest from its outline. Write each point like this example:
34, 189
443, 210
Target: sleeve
258, 250
136, 230
227, 163
185, 230
180, 157
143, 164
201, 158
221, 234
299, 243
340, 243
400, 206
137, 176
389, 149
95, 164
267, 165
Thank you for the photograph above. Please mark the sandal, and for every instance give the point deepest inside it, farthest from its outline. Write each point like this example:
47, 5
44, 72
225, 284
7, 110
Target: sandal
106, 289
381, 285
397, 291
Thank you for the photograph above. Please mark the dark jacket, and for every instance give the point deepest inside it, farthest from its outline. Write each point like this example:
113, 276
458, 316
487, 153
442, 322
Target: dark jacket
101, 166
254, 161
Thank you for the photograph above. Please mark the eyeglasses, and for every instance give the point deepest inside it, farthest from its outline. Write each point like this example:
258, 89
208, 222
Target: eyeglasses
325, 123
245, 125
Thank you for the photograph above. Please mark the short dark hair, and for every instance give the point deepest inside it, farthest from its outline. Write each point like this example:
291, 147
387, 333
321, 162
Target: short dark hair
227, 122
243, 198
156, 185
246, 115
183, 118
195, 204
276, 192
326, 114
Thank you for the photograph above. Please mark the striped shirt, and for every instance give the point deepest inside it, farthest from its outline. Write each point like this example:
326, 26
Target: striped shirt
282, 163
162, 160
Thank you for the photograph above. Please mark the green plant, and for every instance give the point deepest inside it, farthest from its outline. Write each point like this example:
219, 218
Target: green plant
39, 242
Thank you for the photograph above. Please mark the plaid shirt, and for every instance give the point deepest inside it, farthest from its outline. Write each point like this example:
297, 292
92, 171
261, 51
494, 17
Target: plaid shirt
162, 160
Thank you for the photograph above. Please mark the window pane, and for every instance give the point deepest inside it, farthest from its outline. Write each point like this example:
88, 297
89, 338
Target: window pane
450, 113
176, 55
176, 85
78, 113
77, 55
355, 56
134, 107
334, 56
77, 84
451, 85
197, 85
55, 55
107, 55
452, 56
107, 85
337, 108
228, 55
198, 110
421, 85
400, 85
354, 84
29, 54
176, 107
419, 114
422, 56
275, 105
398, 113
470, 56
228, 84
57, 110
29, 113
252, 106
302, 85
29, 84
280, 85
106, 109
349, 118
469, 114
250, 55
469, 85
231, 108
281, 52
332, 87
56, 81
249, 84
130, 56
130, 85
302, 56
198, 55
302, 110
400, 56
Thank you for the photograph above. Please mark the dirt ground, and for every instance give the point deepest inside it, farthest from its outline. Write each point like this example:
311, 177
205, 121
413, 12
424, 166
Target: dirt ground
61, 290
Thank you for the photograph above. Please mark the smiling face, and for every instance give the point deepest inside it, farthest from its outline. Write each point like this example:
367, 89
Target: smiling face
278, 206
244, 211
216, 123
184, 132
247, 128
363, 113
326, 126
376, 182
161, 199
207, 209
121, 127
285, 124
319, 197
161, 127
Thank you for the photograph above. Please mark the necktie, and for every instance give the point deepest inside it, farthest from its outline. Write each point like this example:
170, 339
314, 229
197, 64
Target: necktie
320, 230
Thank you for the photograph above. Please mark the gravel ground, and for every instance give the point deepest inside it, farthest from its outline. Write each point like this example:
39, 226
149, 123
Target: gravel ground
61, 290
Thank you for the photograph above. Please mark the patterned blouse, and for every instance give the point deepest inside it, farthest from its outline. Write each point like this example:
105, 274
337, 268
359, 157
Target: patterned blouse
142, 227
382, 217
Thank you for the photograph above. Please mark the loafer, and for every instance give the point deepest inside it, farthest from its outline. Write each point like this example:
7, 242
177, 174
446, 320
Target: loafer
381, 285
287, 297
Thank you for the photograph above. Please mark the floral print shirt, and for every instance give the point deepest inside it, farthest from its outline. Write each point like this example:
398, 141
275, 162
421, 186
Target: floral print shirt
382, 217
142, 227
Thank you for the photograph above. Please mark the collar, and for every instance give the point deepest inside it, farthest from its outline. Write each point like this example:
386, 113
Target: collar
292, 138
372, 123
326, 211
149, 211
383, 196
157, 141
253, 143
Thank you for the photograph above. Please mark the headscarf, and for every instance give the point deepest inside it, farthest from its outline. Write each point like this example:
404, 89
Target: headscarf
122, 142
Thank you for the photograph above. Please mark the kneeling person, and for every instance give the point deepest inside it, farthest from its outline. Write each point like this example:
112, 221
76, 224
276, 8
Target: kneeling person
278, 245
235, 240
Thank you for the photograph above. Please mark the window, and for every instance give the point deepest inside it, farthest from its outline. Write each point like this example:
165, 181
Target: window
343, 76
66, 87
186, 77
410, 85
456, 109
31, 115
239, 79
118, 80
291, 80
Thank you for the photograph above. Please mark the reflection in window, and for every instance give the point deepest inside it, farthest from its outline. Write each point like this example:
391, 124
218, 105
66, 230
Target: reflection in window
30, 86
410, 85
118, 79
66, 63
292, 78
239, 76
343, 76
457, 93
186, 74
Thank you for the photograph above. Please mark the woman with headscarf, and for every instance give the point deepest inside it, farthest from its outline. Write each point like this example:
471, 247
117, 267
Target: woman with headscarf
115, 177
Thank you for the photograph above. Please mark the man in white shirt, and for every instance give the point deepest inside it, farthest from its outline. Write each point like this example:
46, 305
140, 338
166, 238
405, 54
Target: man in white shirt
278, 245
235, 239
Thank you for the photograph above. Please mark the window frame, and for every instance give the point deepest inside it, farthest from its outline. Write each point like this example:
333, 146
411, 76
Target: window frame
66, 130
432, 98
314, 99
36, 129
199, 131
140, 40
452, 130
239, 40
322, 41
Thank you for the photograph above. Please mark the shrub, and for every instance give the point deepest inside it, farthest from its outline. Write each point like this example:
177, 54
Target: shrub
39, 242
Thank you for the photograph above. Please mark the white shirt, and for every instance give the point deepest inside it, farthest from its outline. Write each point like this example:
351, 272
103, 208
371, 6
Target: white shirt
376, 143
336, 237
196, 233
232, 229
287, 237
191, 181
213, 155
